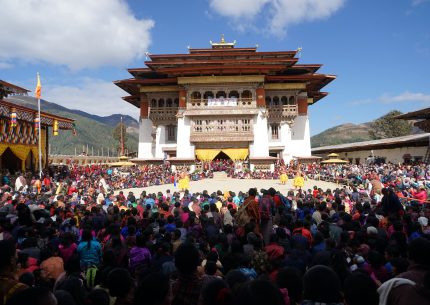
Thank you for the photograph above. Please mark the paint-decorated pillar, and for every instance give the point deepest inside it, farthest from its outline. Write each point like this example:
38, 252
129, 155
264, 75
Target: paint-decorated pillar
261, 98
182, 98
302, 105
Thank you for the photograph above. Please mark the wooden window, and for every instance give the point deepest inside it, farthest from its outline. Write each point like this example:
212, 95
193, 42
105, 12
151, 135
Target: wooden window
284, 100
171, 133
292, 100
275, 131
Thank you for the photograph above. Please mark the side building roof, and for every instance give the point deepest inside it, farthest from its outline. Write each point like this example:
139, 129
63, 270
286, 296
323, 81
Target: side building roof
421, 114
28, 114
421, 139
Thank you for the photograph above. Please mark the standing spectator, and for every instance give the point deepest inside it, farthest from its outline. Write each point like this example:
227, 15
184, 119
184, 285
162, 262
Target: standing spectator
89, 250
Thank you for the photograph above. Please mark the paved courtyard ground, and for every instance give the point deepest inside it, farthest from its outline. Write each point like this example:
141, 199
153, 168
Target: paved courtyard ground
222, 183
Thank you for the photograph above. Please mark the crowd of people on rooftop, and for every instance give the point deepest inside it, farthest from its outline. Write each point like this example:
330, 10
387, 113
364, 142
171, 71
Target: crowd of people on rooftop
67, 238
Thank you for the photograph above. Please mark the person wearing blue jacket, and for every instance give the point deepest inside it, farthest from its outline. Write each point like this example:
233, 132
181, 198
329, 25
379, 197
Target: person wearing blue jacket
89, 250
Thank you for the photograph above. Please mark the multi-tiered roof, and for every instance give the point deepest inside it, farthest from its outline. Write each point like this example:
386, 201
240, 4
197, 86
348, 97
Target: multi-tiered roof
223, 59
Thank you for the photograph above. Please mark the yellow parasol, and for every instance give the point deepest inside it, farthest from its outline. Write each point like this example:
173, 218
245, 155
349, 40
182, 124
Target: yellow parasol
335, 161
123, 162
333, 155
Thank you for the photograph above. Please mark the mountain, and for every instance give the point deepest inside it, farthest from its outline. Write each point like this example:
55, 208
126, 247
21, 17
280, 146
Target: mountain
92, 130
349, 133
345, 133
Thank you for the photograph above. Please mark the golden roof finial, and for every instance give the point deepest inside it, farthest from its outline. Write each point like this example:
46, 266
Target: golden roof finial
222, 43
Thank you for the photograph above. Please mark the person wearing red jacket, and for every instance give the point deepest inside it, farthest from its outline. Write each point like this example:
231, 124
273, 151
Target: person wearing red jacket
420, 195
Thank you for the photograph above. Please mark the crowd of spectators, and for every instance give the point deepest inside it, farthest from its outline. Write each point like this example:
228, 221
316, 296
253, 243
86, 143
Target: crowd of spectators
67, 239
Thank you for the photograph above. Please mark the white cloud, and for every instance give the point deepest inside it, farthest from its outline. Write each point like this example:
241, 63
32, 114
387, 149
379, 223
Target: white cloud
278, 14
406, 97
239, 8
418, 2
361, 102
5, 65
78, 34
94, 96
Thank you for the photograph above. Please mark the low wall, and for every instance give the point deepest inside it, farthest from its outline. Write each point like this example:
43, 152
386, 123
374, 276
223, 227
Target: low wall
81, 160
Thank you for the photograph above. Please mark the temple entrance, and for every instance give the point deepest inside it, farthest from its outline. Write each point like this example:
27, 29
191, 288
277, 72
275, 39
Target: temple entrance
222, 156
230, 154
10, 161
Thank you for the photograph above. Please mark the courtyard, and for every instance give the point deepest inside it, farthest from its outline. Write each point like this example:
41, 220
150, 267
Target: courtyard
223, 183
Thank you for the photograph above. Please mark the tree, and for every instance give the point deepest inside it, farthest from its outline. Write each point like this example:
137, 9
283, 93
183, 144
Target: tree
388, 127
120, 128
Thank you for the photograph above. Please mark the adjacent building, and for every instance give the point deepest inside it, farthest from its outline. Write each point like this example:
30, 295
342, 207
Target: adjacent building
19, 125
224, 102
396, 150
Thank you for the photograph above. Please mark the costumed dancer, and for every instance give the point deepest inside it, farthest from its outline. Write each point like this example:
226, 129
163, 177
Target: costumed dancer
283, 178
187, 181
299, 181
184, 182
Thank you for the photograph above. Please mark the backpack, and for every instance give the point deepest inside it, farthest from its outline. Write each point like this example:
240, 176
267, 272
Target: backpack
242, 216
285, 201
9, 288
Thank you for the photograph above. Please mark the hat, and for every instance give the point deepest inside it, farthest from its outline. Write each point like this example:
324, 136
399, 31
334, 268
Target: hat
364, 249
251, 237
359, 259
372, 230
423, 221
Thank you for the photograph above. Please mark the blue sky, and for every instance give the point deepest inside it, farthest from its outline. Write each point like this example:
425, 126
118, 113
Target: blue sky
380, 50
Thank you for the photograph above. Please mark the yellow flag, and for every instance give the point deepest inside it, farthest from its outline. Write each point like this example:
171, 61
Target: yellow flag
38, 87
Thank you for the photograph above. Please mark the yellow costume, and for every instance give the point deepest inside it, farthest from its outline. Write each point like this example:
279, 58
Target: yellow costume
184, 182
299, 181
283, 178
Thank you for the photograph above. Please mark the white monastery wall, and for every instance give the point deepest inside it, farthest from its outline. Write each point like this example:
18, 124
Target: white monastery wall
260, 146
184, 147
145, 139
300, 144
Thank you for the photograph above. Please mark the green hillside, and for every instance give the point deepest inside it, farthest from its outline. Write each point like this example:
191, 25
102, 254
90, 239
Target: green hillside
385, 126
91, 130
346, 133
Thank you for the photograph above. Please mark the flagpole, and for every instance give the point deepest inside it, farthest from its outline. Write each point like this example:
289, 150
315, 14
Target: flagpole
40, 134
40, 138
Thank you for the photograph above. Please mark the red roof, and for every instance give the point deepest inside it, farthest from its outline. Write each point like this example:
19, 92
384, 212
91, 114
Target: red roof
277, 66
11, 88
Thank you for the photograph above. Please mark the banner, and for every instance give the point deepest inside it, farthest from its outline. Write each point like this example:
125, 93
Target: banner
222, 102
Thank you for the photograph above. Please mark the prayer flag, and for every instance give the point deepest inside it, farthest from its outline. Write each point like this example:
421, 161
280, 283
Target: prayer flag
38, 87
55, 128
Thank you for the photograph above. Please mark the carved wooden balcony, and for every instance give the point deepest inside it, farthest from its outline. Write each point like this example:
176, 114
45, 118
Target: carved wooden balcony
223, 130
206, 104
163, 115
282, 113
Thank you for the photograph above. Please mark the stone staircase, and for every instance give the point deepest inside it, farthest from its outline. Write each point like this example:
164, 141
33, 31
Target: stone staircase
220, 176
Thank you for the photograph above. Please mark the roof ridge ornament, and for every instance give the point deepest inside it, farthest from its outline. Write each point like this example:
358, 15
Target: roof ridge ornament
299, 52
222, 44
